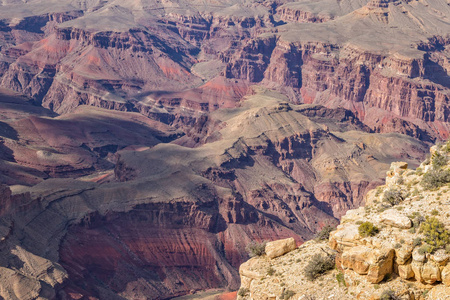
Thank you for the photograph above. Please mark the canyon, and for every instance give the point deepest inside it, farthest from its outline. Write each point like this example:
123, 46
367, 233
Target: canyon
144, 144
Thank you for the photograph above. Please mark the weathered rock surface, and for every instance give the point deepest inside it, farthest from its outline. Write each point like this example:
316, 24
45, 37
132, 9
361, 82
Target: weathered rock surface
280, 247
394, 260
177, 158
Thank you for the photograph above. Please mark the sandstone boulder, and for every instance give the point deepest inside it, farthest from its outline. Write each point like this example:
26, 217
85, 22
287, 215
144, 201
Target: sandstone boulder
345, 236
439, 292
440, 257
417, 256
376, 263
381, 263
356, 259
417, 269
405, 271
431, 272
394, 218
403, 254
445, 275
398, 166
280, 247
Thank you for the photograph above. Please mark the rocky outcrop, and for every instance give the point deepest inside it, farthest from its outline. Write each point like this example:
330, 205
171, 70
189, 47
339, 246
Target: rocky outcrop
377, 247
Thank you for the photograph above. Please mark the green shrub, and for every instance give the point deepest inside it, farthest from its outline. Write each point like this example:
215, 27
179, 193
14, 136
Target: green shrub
287, 294
447, 147
419, 171
389, 295
417, 241
434, 212
367, 229
435, 233
318, 265
393, 196
324, 234
243, 291
256, 249
270, 271
435, 179
439, 160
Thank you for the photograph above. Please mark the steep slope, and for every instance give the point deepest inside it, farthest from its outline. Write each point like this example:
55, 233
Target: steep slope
175, 219
396, 247
387, 61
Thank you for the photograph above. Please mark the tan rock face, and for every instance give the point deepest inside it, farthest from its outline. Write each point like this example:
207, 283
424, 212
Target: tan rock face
376, 263
403, 254
431, 273
405, 271
346, 237
381, 264
356, 259
280, 247
445, 275
394, 218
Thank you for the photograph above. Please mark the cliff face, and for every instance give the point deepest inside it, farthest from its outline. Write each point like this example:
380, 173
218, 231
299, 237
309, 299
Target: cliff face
393, 248
164, 136
168, 219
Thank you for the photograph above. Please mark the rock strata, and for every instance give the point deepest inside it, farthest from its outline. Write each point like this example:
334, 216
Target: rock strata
398, 258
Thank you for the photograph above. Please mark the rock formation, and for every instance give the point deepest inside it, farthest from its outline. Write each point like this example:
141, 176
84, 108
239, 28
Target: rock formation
403, 253
145, 143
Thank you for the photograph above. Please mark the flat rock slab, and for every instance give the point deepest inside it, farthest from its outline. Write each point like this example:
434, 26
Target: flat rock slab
395, 219
280, 247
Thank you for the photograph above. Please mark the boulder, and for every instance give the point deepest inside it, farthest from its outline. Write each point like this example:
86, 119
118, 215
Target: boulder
418, 257
394, 218
439, 292
398, 166
403, 254
440, 257
356, 259
376, 263
381, 263
445, 275
280, 247
345, 236
405, 271
417, 269
431, 272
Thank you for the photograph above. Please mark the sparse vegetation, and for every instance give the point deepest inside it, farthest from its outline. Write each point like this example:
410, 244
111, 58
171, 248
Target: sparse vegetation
435, 179
256, 249
367, 229
417, 242
270, 271
439, 160
393, 196
243, 291
324, 234
287, 294
318, 265
388, 295
436, 235
341, 279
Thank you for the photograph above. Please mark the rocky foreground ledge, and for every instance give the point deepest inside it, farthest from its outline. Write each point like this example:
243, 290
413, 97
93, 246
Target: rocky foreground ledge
396, 247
